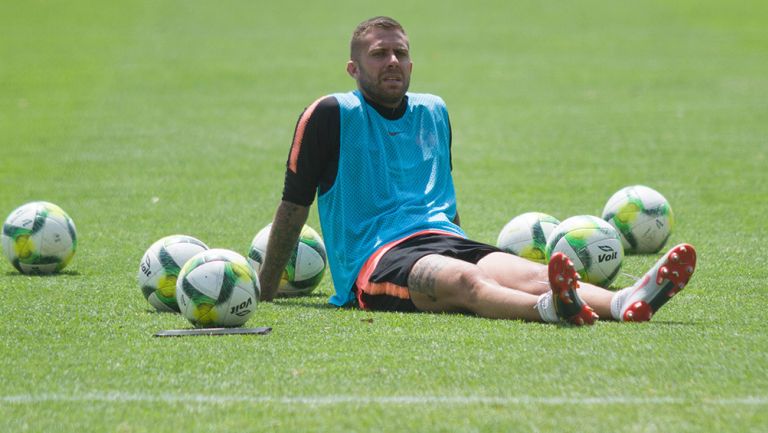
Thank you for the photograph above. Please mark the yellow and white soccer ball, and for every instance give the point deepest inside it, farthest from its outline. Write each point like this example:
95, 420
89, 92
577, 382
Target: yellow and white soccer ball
306, 266
160, 266
39, 238
642, 216
526, 235
593, 246
217, 288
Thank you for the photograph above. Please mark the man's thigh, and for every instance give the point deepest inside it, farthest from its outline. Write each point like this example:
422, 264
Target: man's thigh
515, 272
437, 283
444, 284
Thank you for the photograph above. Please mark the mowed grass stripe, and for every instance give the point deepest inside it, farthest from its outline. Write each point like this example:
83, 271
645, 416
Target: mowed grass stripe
321, 400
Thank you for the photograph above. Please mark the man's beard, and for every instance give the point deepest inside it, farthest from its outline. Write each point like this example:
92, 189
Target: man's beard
376, 91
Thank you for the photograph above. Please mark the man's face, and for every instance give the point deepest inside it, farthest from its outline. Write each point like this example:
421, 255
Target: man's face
383, 66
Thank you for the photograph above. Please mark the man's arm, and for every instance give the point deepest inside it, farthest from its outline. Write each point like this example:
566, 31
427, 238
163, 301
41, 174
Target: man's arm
311, 168
286, 228
456, 219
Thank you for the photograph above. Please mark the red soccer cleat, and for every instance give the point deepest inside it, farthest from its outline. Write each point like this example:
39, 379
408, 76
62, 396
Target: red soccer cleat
564, 280
667, 277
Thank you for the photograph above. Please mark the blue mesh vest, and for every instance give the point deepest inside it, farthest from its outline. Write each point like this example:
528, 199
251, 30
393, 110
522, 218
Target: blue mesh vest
393, 180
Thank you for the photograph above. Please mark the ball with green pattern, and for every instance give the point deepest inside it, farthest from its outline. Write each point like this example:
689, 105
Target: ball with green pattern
39, 238
526, 235
160, 266
306, 266
593, 246
217, 288
643, 218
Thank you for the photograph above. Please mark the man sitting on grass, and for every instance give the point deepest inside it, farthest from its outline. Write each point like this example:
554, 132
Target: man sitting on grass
379, 161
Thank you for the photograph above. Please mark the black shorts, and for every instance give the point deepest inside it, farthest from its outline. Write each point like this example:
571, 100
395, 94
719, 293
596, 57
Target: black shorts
387, 285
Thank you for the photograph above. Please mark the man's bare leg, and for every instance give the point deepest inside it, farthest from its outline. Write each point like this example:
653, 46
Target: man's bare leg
444, 284
531, 277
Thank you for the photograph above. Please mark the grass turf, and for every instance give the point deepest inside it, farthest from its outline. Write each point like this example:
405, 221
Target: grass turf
143, 119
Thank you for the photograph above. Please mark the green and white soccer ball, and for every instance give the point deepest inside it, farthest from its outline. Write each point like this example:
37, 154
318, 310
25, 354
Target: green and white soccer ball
305, 268
160, 267
593, 246
216, 288
642, 216
39, 238
526, 235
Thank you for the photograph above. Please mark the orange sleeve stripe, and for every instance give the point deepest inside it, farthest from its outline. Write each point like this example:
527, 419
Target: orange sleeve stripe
298, 136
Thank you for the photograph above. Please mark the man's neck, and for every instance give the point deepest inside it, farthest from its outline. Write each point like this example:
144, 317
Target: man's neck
388, 112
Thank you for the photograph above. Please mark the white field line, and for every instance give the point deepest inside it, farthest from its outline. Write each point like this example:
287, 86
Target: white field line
326, 400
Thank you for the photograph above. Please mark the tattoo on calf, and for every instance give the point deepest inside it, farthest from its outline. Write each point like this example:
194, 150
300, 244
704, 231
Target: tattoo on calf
423, 276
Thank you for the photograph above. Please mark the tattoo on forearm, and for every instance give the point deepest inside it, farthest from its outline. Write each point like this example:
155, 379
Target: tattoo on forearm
287, 210
286, 227
423, 277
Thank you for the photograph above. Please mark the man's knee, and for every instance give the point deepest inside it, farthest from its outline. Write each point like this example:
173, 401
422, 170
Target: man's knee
448, 281
472, 282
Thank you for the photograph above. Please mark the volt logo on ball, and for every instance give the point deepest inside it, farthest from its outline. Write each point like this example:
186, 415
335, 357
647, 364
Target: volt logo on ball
610, 254
241, 309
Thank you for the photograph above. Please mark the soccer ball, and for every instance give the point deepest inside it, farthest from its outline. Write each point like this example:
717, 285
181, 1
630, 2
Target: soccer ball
305, 268
39, 238
217, 287
160, 267
526, 235
642, 217
593, 246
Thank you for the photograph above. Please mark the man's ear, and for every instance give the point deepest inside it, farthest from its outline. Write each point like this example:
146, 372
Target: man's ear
352, 69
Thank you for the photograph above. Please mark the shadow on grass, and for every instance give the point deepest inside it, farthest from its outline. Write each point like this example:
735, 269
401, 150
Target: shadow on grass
161, 312
313, 300
650, 323
67, 273
320, 301
675, 323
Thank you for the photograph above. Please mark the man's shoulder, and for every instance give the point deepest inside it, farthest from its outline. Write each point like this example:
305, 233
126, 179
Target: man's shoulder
347, 99
427, 99
325, 103
321, 109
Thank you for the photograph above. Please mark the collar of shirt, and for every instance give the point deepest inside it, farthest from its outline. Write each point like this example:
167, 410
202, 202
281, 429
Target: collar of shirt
389, 113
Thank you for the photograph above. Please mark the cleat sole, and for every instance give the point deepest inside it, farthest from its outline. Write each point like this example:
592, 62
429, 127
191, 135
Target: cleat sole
638, 312
680, 266
563, 281
672, 275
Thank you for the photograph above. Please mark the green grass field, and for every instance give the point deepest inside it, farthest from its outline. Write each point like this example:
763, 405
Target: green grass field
147, 118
